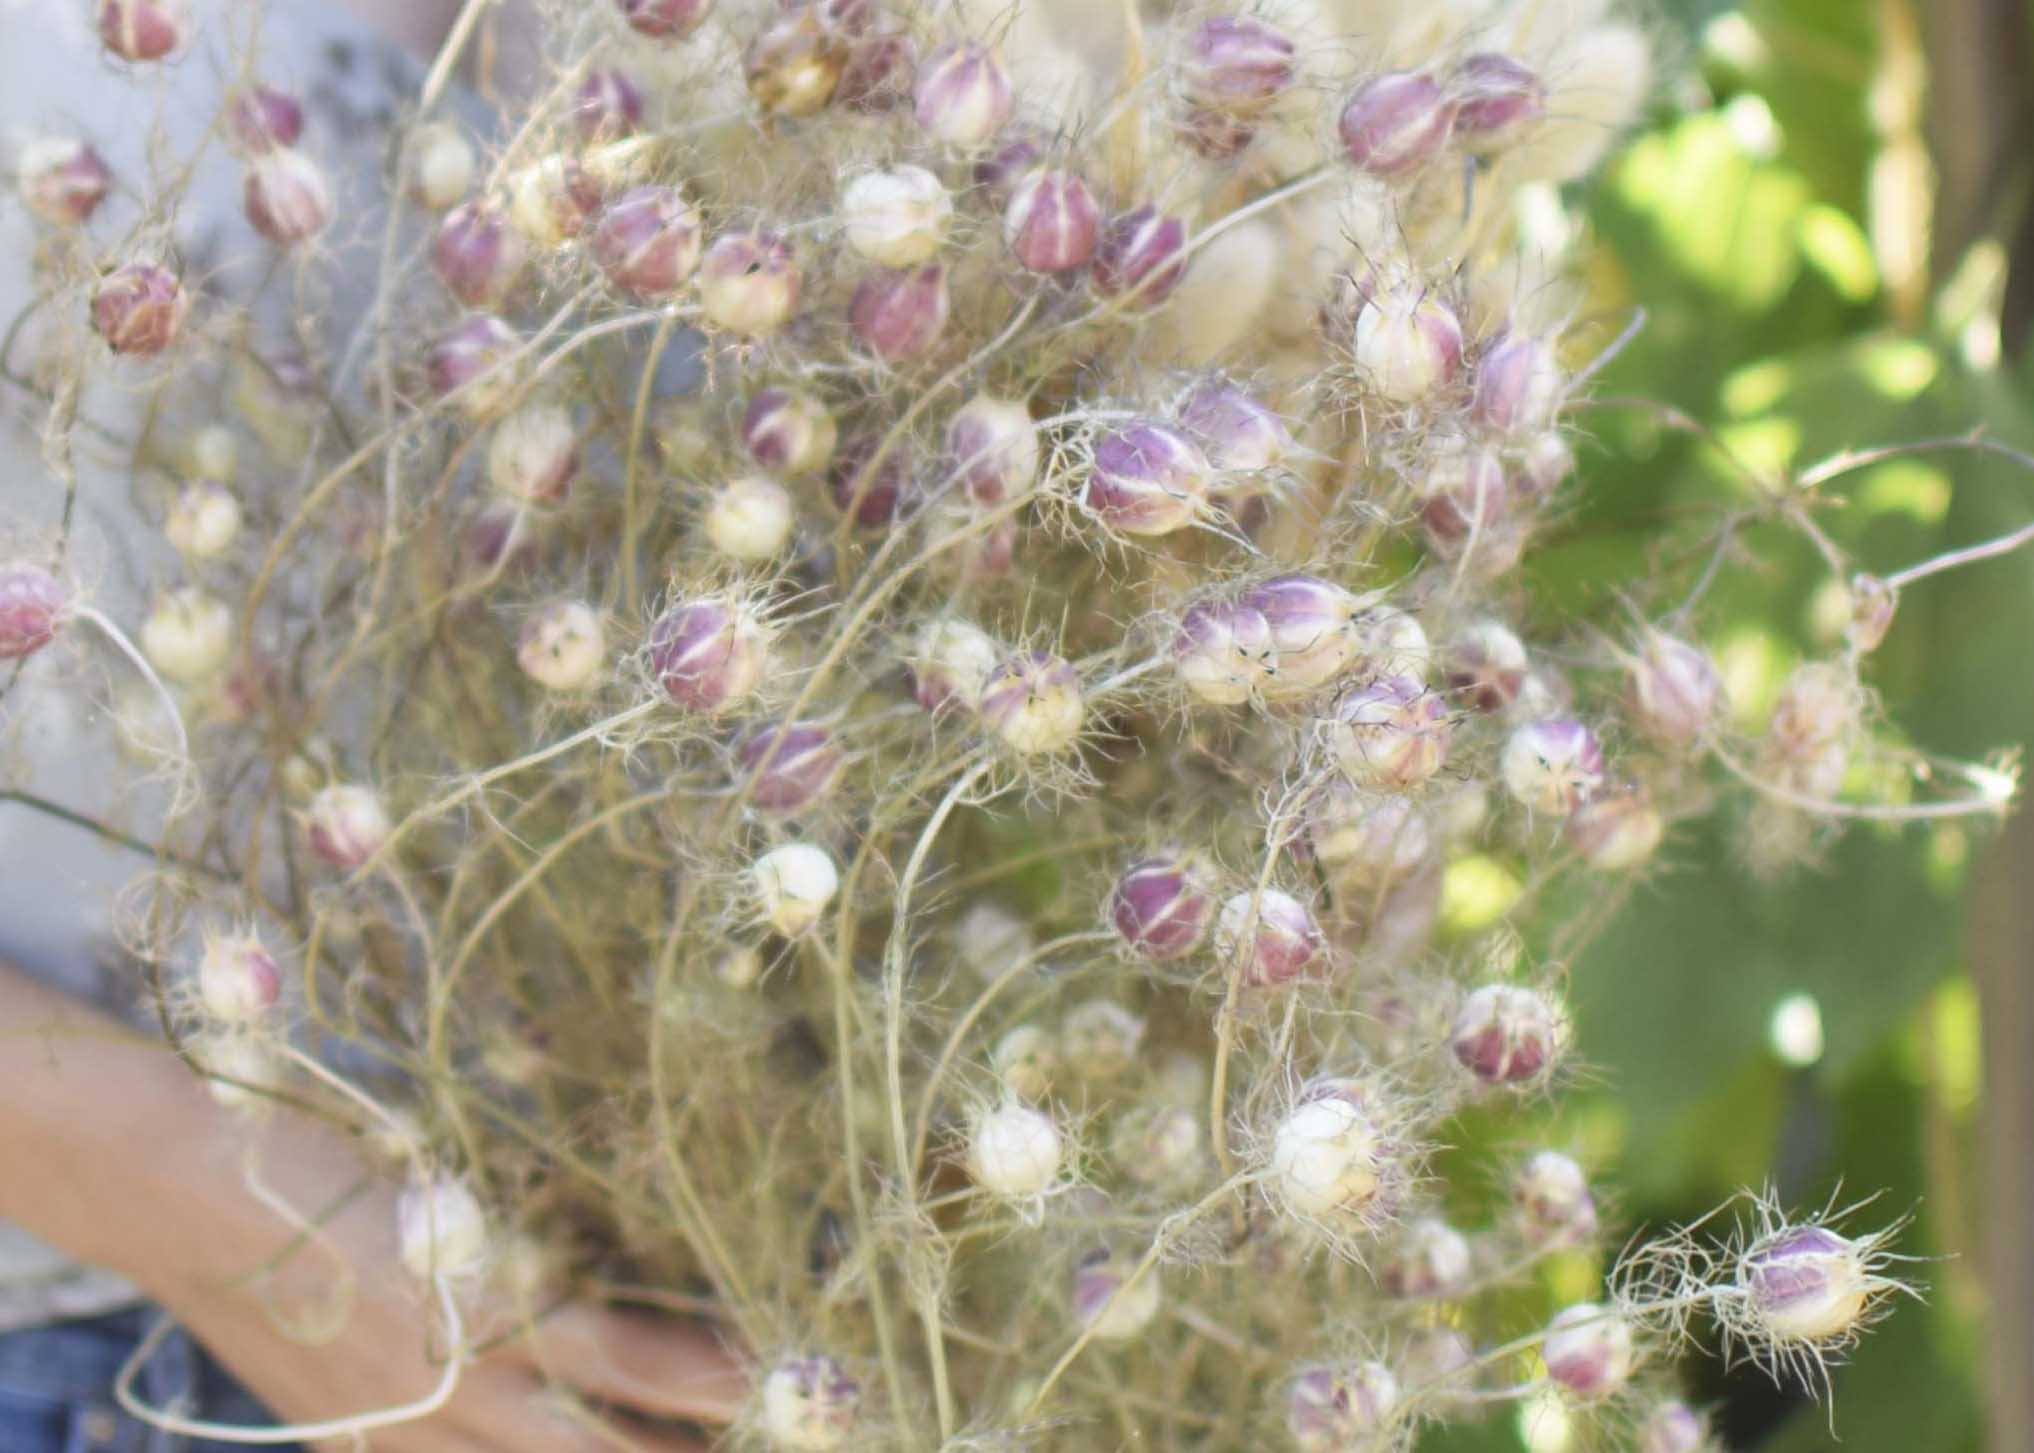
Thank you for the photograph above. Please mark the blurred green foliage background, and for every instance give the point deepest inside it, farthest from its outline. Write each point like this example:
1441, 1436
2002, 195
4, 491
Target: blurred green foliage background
1788, 222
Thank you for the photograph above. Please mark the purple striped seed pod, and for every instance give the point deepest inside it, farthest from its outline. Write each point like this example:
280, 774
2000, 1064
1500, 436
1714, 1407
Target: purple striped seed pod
1332, 1409
1486, 666
1507, 1034
33, 606
143, 30
262, 118
950, 662
804, 763
899, 314
1273, 934
873, 491
1146, 478
286, 197
63, 180
1390, 734
1495, 97
1224, 652
1109, 1301
879, 71
1236, 428
1616, 831
788, 431
1552, 764
1467, 498
1806, 1284
1052, 222
1236, 63
962, 94
608, 106
1588, 1351
478, 256
709, 655
749, 282
138, 308
1396, 122
1553, 1198
1161, 907
664, 19
1141, 257
992, 449
1518, 385
471, 356
1430, 1261
1673, 689
346, 825
1033, 703
648, 241
1014, 158
810, 1402
1407, 343
1313, 631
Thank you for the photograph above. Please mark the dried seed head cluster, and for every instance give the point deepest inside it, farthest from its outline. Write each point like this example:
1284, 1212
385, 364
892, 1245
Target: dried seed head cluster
874, 665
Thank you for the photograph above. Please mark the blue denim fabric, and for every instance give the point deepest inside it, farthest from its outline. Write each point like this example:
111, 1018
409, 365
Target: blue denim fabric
56, 1389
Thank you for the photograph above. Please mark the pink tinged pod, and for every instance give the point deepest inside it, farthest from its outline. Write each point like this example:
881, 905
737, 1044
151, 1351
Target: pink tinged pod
1551, 1192
962, 95
1518, 385
1391, 733
999, 172
801, 770
749, 282
33, 605
346, 825
286, 196
708, 655
992, 449
138, 308
1237, 430
1312, 629
63, 180
1335, 1409
1161, 908
1672, 1427
1407, 343
879, 72
1494, 97
1396, 122
1433, 1260
870, 490
1673, 689
1547, 462
788, 431
647, 241
477, 254
664, 19
1106, 1301
1273, 934
1806, 1284
264, 118
898, 314
1507, 1034
1141, 257
1224, 652
794, 65
1052, 222
1486, 666
1146, 478
1468, 497
1588, 1351
143, 30
809, 1403
238, 979
1033, 702
608, 106
1616, 831
1236, 63
475, 348
1552, 764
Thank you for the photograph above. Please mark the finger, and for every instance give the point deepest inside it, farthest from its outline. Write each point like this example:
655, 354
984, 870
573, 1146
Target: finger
650, 1364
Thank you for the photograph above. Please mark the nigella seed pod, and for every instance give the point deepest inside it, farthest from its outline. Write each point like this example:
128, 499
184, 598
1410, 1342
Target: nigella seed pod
803, 762
750, 518
143, 30
1273, 934
1033, 702
562, 645
1588, 1351
1437, 1354
1507, 1034
709, 655
810, 1405
551, 201
1015, 1151
880, 69
1495, 97
534, 454
1141, 257
1224, 652
898, 315
1674, 690
794, 64
441, 166
793, 885
1158, 1146
1806, 1284
1391, 733
286, 196
1146, 478
472, 360
1432, 1259
1328, 1153
1052, 222
62, 180
1873, 603
1217, 134
950, 662
896, 217
1396, 122
647, 241
441, 1230
1335, 1409
664, 19
346, 825
1552, 1194
869, 483
263, 118
1375, 839
1672, 1427
1467, 497
749, 283
238, 981
1100, 1039
1313, 632
1014, 158
1025, 1060
1552, 764
1161, 907
478, 256
1546, 463
1816, 711
1518, 385
608, 105
1616, 831
188, 635
1486, 666
1236, 63
992, 449
788, 431
1407, 344
1237, 430
1107, 1302
962, 95
33, 606
138, 308
205, 520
